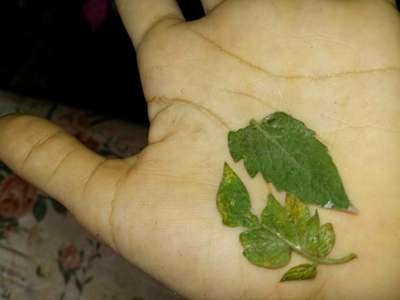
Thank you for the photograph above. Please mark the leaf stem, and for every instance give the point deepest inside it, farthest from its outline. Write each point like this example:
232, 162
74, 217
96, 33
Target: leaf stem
327, 260
315, 259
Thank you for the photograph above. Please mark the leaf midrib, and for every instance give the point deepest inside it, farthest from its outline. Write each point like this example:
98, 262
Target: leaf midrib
274, 141
315, 259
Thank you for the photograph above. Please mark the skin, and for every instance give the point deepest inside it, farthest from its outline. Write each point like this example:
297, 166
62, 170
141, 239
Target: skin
333, 64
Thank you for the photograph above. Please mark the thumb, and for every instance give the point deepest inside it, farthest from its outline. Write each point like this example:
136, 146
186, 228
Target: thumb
54, 161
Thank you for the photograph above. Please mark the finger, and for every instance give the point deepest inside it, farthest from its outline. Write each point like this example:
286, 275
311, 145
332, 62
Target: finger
51, 159
140, 16
209, 5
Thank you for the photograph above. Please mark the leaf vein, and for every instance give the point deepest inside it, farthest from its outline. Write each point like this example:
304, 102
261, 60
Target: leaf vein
206, 111
292, 76
273, 140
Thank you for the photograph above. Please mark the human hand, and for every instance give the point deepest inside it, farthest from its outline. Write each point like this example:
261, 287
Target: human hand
331, 64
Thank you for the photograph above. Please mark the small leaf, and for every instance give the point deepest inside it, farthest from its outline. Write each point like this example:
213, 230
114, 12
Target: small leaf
300, 272
233, 201
40, 209
263, 249
289, 155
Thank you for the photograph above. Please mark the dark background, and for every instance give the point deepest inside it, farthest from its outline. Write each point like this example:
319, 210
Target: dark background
49, 50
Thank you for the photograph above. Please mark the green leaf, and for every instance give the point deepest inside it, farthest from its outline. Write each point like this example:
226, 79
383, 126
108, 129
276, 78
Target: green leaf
40, 209
233, 201
300, 272
302, 232
289, 155
264, 249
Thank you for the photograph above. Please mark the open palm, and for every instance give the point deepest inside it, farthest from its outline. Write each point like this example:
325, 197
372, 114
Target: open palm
332, 64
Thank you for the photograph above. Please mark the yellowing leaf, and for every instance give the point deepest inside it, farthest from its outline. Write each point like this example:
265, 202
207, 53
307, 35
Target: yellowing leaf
300, 272
264, 249
233, 201
294, 225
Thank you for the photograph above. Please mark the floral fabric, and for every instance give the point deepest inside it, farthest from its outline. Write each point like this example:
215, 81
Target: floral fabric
44, 253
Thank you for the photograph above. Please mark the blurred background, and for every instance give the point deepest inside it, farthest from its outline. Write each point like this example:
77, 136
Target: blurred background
74, 52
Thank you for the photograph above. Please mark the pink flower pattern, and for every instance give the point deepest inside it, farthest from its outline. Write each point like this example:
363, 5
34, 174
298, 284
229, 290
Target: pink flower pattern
69, 258
25, 211
17, 197
95, 13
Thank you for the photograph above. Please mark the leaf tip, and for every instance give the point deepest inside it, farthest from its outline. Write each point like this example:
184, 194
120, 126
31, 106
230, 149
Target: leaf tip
227, 169
352, 256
